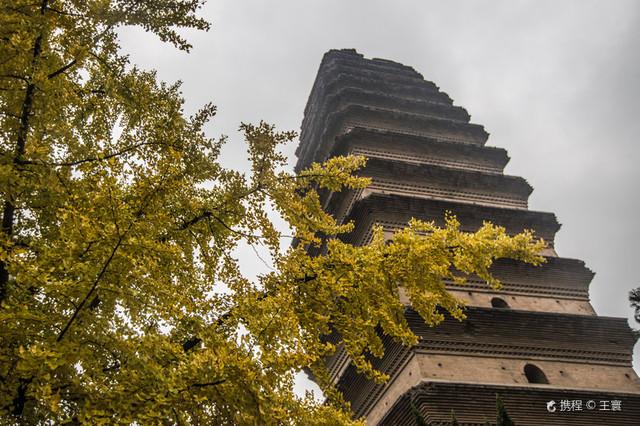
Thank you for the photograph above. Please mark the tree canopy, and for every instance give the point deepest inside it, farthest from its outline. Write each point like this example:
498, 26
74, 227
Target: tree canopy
634, 299
120, 297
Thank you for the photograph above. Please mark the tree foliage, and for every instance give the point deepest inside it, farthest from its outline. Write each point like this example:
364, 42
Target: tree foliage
502, 417
417, 415
454, 420
120, 298
634, 299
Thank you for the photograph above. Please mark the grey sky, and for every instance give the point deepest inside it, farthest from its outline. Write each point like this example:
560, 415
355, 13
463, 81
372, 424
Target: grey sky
556, 83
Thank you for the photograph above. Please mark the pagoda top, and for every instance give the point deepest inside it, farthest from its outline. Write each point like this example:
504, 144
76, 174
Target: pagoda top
351, 88
353, 55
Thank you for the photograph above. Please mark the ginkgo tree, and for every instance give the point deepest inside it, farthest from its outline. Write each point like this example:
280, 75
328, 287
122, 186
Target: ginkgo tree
121, 301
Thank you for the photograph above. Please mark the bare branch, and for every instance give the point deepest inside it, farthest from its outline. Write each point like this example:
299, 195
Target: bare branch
62, 70
92, 289
204, 385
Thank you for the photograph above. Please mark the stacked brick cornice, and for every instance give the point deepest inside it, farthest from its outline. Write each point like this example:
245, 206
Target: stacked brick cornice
426, 158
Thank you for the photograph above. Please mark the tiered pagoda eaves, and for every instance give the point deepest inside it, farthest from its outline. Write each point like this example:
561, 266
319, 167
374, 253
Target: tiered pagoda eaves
537, 339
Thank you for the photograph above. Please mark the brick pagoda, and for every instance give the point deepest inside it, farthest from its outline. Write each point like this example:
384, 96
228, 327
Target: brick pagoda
537, 339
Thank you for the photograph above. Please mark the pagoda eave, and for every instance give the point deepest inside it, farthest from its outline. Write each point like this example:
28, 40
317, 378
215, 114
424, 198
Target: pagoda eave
474, 404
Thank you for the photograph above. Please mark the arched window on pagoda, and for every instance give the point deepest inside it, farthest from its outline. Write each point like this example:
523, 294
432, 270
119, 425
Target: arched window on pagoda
535, 375
497, 302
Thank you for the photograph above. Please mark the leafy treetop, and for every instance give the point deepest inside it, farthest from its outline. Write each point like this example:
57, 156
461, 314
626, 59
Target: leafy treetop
120, 298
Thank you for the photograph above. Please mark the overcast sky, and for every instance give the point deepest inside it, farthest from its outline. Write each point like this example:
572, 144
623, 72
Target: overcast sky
556, 83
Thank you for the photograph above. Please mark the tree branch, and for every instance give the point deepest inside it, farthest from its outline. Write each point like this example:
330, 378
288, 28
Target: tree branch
204, 385
103, 270
91, 159
21, 398
92, 289
9, 208
61, 70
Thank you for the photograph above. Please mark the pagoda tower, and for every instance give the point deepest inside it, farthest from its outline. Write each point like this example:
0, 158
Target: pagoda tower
536, 342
